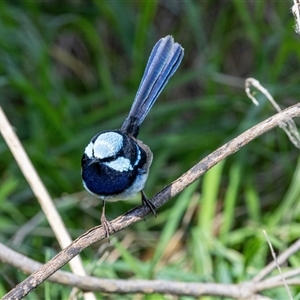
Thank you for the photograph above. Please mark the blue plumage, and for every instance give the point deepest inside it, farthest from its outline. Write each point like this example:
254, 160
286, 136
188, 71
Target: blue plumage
115, 164
118, 175
164, 60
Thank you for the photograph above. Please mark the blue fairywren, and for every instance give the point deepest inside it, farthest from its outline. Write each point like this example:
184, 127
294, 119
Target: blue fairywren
115, 164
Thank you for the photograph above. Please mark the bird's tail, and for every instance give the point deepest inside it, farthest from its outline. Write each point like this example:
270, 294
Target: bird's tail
164, 60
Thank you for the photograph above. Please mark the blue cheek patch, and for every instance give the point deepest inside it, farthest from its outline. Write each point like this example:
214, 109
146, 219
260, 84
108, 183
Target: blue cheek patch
107, 144
120, 164
89, 150
138, 158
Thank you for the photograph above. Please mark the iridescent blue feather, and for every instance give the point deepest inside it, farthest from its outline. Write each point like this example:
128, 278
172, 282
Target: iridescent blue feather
164, 60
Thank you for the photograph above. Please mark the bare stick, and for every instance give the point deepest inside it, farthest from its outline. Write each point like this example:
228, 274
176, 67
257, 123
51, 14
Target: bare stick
121, 286
287, 125
97, 233
195, 289
287, 274
280, 260
277, 265
39, 190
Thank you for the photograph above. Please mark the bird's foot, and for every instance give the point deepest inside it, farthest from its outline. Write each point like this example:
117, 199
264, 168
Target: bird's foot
148, 203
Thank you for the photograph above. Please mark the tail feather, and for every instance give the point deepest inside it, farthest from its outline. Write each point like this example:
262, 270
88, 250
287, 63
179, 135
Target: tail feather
164, 60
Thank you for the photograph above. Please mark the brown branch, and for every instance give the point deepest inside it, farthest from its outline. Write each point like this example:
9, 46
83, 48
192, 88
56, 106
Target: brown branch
97, 233
61, 233
265, 285
280, 260
194, 289
287, 274
119, 286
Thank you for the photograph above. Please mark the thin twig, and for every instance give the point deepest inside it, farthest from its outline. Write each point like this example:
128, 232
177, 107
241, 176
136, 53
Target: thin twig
264, 285
287, 274
97, 233
287, 125
277, 265
280, 260
39, 191
125, 286
119, 286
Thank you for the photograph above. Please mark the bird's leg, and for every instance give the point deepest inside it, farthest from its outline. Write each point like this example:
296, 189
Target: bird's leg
106, 224
148, 203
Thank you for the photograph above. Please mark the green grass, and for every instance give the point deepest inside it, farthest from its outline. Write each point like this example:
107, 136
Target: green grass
70, 70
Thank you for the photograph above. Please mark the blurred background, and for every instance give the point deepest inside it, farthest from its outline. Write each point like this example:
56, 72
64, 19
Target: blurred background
69, 69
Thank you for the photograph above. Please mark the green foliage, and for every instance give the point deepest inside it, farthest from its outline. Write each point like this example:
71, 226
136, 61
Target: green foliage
71, 69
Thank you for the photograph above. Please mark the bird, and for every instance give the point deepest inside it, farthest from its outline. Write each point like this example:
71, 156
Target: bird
115, 164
